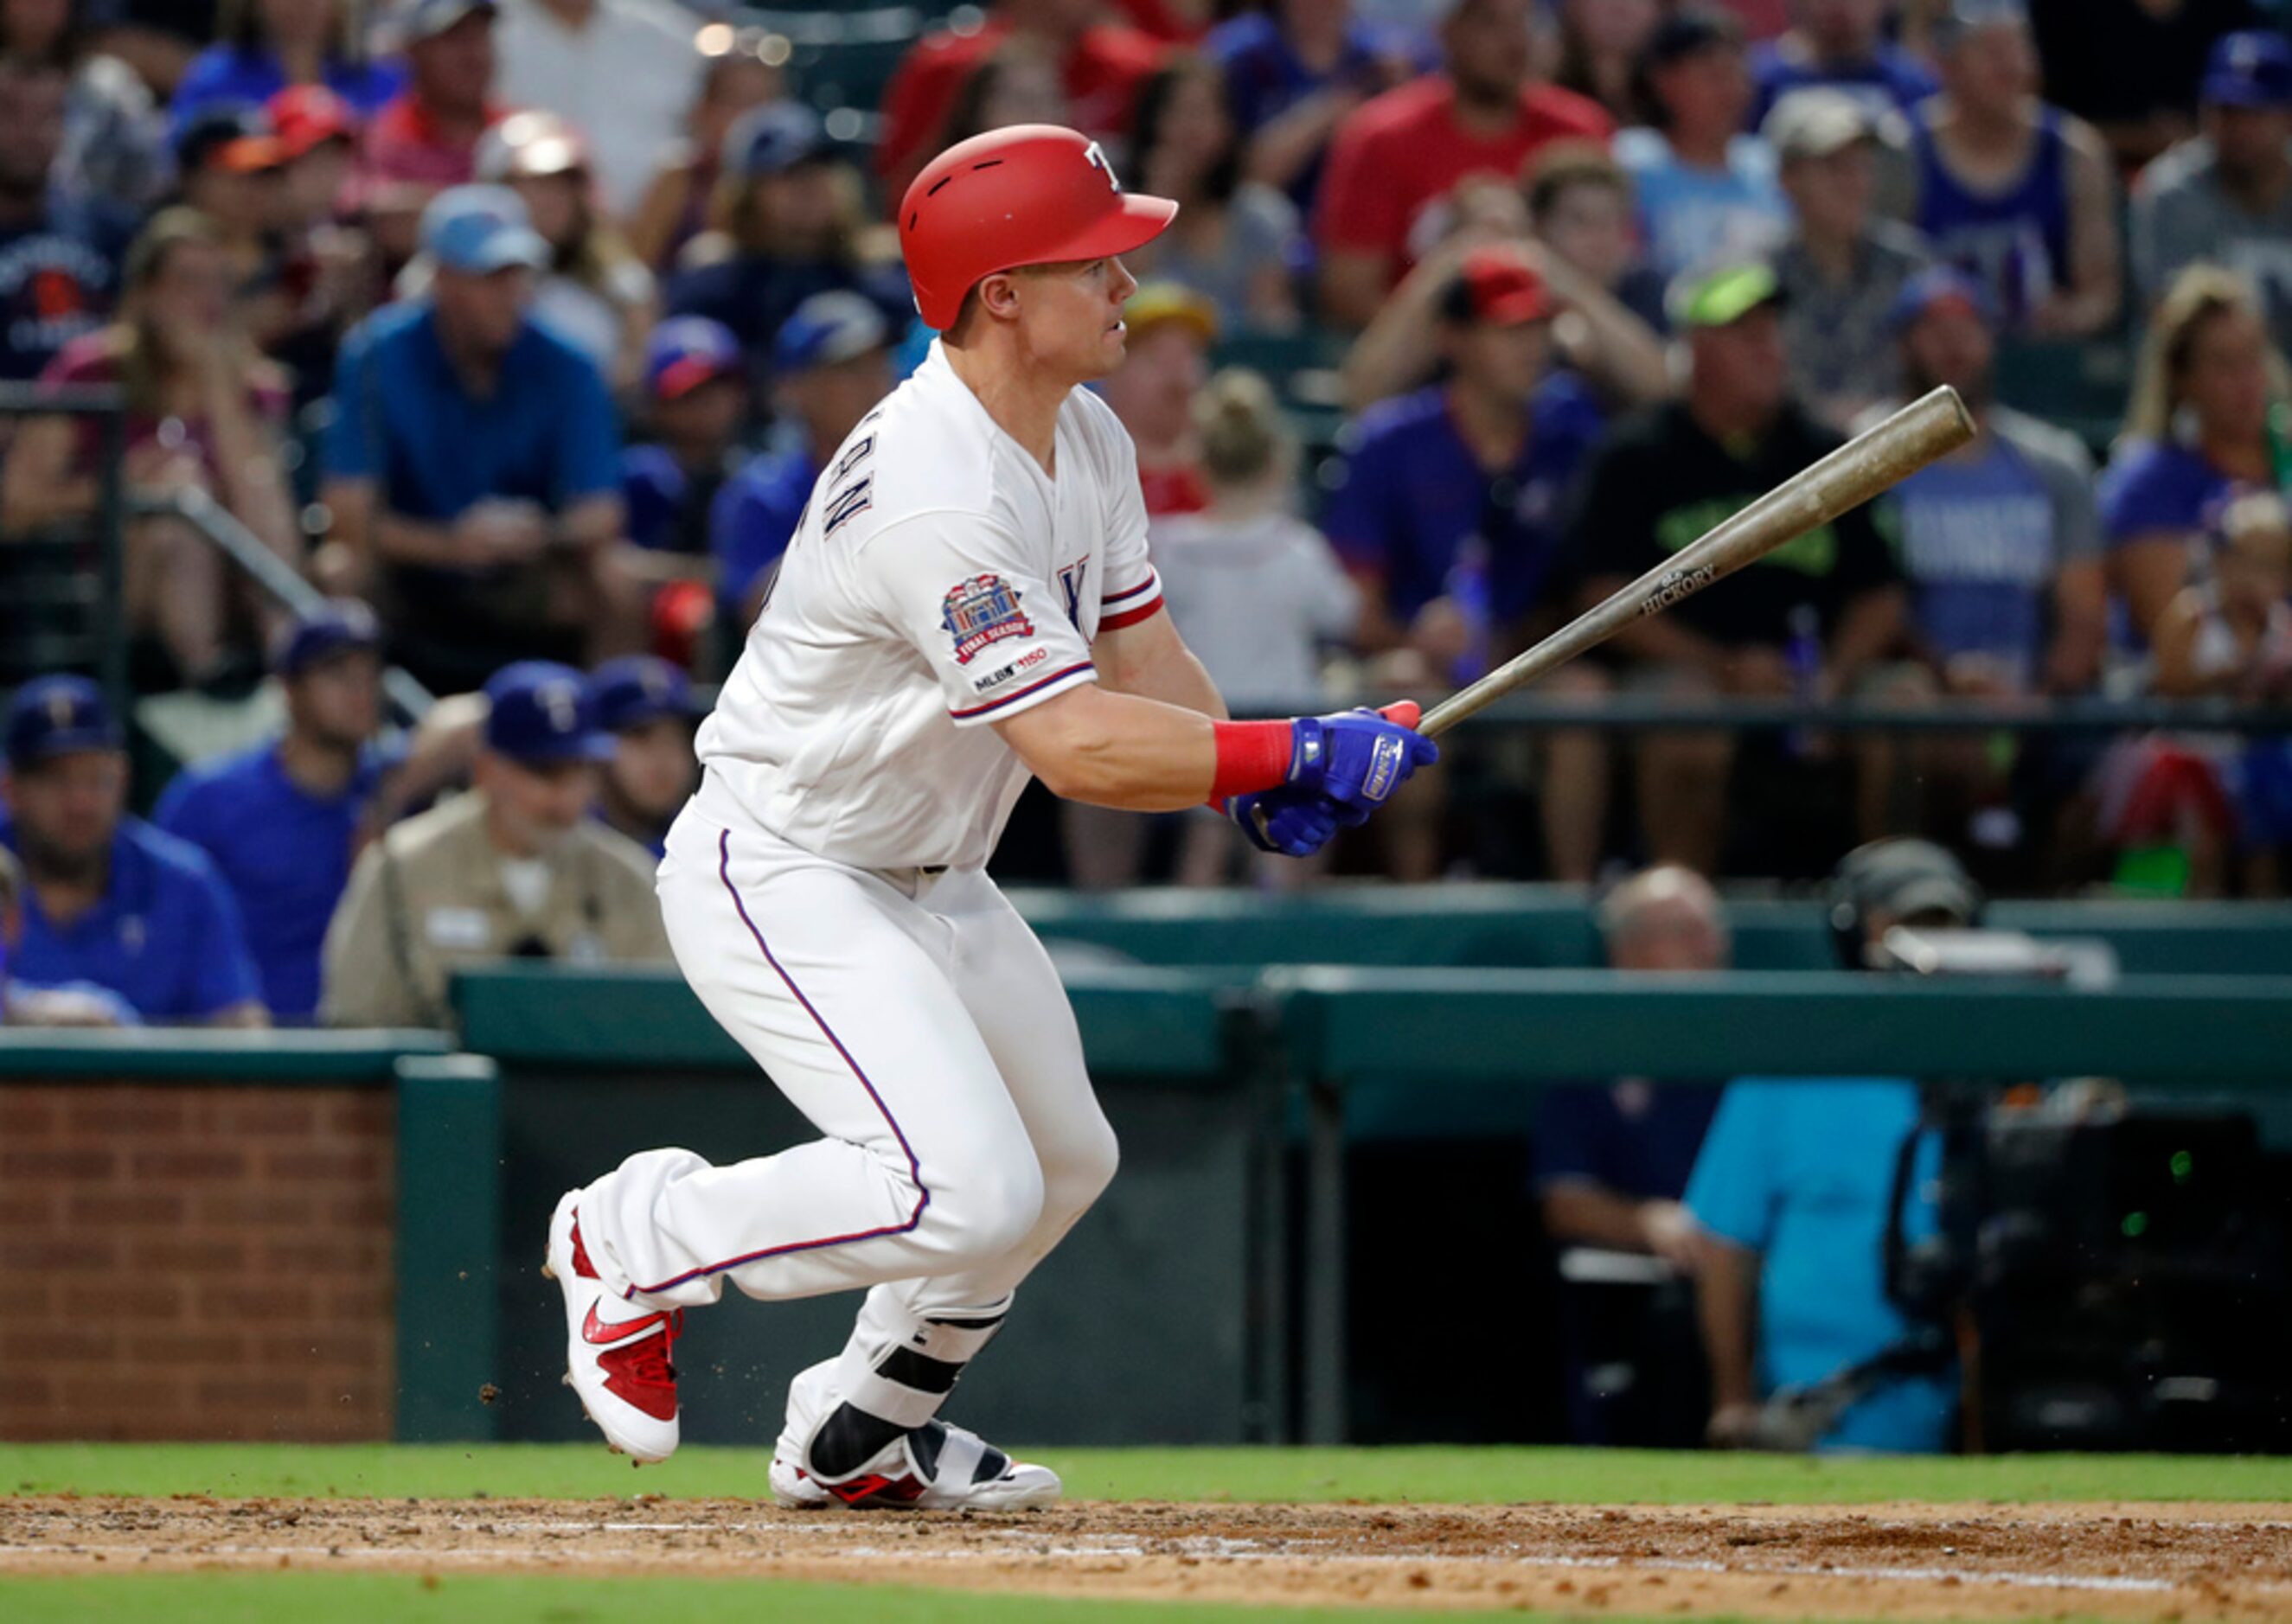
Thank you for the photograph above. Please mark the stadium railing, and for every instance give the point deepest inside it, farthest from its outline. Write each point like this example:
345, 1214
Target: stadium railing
61, 585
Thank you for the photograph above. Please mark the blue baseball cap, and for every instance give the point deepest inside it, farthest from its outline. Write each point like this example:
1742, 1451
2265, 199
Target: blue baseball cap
2249, 69
827, 329
687, 352
638, 688
339, 624
56, 716
481, 230
419, 20
765, 141
539, 711
1935, 287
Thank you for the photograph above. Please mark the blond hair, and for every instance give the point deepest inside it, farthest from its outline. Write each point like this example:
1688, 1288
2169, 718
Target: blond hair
2200, 295
2255, 521
1243, 435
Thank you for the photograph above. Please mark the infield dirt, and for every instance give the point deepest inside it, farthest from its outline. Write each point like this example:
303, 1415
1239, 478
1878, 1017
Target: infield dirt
2179, 1561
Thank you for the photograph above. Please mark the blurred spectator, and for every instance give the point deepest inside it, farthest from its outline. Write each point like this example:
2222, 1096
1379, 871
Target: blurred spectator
646, 705
622, 70
2131, 67
675, 208
1255, 591
1397, 158
1840, 43
517, 868
1016, 83
472, 462
205, 414
1793, 1193
1448, 517
1235, 241
1101, 65
229, 167
787, 223
1600, 46
327, 275
1180, 22
2231, 633
2018, 194
695, 397
266, 45
156, 38
59, 257
1612, 1161
281, 822
596, 292
2196, 427
1171, 331
1706, 191
832, 361
115, 136
1661, 481
1581, 207
425, 137
1841, 268
111, 902
2226, 196
1293, 73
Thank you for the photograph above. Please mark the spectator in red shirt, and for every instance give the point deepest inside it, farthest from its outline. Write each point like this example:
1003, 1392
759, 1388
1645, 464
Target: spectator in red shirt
1398, 158
1101, 65
1170, 330
425, 138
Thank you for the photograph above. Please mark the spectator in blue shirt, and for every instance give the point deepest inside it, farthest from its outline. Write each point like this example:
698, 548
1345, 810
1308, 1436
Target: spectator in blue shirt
282, 821
694, 397
110, 900
1707, 191
1449, 516
1292, 73
473, 464
646, 703
58, 259
269, 44
833, 359
1793, 1188
1840, 43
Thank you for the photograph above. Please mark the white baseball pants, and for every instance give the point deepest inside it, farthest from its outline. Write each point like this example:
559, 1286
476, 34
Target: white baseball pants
919, 1025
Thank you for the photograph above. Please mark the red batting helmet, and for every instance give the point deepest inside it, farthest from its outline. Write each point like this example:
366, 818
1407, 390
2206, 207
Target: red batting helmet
1033, 194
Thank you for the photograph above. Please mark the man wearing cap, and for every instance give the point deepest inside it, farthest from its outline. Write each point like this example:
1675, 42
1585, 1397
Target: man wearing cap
426, 137
2226, 196
473, 461
967, 603
1171, 328
516, 868
1397, 157
624, 70
1841, 266
646, 704
110, 900
229, 165
832, 364
1449, 518
59, 257
1662, 479
696, 395
1841, 45
282, 821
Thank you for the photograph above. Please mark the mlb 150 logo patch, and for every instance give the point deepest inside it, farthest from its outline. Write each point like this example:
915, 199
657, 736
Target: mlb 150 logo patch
982, 611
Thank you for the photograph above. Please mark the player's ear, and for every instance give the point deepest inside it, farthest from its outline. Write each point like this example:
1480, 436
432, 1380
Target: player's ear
998, 295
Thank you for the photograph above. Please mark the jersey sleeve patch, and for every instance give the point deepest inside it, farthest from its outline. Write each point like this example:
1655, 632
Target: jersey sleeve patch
981, 612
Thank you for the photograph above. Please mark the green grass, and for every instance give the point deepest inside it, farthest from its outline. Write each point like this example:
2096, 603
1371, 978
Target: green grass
1432, 1474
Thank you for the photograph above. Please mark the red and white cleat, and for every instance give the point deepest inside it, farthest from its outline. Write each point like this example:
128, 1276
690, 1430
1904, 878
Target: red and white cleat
933, 1467
616, 1355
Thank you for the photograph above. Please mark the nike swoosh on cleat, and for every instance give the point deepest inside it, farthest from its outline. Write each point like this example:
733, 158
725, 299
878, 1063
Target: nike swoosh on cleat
597, 1334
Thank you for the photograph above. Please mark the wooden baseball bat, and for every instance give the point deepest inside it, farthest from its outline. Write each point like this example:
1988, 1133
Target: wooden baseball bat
1921, 433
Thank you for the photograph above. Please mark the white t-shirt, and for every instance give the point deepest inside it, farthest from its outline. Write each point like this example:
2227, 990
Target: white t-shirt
625, 79
937, 581
1252, 599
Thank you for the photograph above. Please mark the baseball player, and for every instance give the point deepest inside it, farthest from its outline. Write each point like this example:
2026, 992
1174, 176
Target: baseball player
967, 600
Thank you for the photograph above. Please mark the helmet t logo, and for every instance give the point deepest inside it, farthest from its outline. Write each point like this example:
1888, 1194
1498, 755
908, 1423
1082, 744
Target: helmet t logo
1096, 160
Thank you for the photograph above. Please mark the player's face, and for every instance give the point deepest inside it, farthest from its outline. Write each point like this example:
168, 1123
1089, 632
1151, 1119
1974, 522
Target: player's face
1070, 316
67, 809
337, 703
653, 767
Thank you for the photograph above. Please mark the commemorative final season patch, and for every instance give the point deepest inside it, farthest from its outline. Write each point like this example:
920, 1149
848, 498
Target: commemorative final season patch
980, 611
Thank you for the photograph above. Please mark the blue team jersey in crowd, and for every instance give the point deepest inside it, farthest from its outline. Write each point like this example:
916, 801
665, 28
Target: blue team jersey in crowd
249, 75
166, 937
1801, 1172
2152, 488
404, 419
1635, 1137
1892, 80
2014, 242
754, 518
285, 853
1413, 494
1264, 78
59, 279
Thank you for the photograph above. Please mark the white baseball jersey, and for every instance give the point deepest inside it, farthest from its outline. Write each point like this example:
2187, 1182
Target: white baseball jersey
938, 581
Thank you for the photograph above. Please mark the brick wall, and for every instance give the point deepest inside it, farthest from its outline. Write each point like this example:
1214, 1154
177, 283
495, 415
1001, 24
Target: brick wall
195, 1261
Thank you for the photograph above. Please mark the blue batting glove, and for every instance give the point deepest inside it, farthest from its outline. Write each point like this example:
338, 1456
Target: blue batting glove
1289, 823
1357, 759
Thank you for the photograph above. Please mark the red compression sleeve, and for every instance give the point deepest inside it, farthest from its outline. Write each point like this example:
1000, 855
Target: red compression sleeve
1250, 756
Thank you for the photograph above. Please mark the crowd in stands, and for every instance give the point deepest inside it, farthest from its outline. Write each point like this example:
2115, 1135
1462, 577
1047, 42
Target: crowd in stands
520, 329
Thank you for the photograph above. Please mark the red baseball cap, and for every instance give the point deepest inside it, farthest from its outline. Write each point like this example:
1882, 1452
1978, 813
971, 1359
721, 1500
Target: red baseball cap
1033, 193
1497, 284
308, 115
